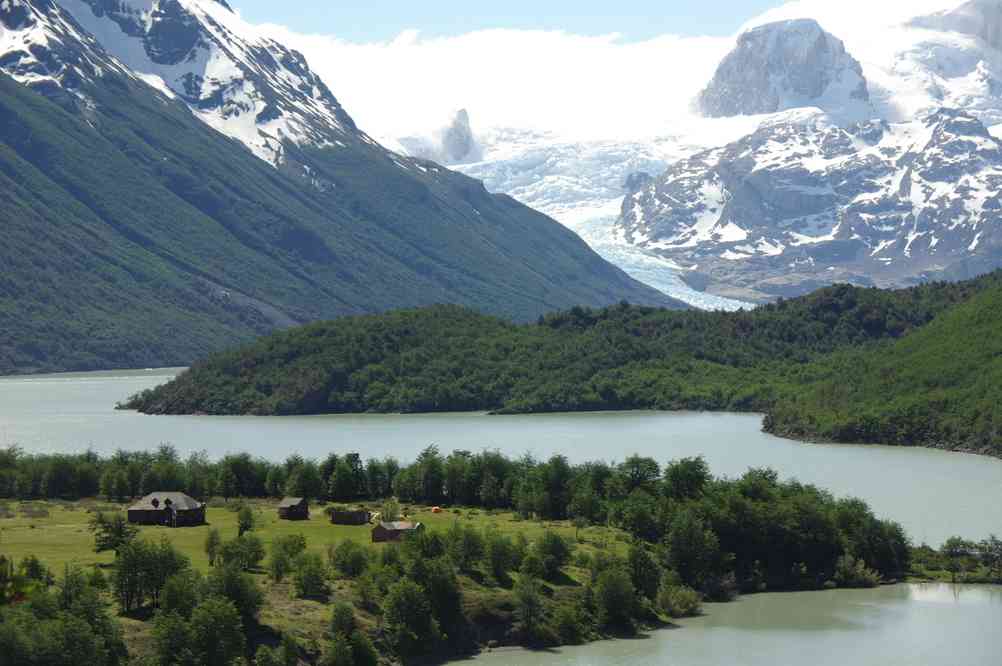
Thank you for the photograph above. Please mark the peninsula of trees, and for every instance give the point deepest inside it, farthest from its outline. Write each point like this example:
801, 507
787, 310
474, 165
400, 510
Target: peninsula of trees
918, 366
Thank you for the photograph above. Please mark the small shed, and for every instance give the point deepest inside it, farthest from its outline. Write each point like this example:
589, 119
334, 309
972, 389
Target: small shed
294, 508
395, 531
169, 509
350, 516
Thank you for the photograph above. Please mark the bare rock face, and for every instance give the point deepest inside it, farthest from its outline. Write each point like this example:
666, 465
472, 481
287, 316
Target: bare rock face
453, 144
978, 18
781, 66
458, 142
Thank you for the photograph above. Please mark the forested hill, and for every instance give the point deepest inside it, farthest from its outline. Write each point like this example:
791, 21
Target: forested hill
623, 357
136, 236
940, 386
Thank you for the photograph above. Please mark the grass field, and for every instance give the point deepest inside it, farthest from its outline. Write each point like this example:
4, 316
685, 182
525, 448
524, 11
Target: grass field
58, 534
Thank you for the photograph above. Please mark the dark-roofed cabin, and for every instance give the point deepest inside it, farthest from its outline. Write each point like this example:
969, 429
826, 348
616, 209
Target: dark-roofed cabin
294, 508
396, 531
167, 509
350, 517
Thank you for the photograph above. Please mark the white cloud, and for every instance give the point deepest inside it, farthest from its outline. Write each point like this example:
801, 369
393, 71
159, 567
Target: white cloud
587, 87
590, 86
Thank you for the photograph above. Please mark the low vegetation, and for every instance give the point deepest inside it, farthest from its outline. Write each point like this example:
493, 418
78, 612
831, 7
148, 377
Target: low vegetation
844, 364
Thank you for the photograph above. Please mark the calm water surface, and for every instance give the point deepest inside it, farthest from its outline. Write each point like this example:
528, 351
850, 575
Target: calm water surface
934, 494
903, 625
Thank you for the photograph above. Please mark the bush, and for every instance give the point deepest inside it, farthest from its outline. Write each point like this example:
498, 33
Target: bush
410, 627
181, 593
351, 559
677, 600
309, 576
615, 598
234, 585
217, 632
342, 620
554, 552
465, 545
569, 623
244, 552
851, 572
284, 551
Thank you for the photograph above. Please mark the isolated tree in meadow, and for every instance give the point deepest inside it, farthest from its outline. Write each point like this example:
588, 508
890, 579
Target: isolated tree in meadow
111, 531
245, 520
213, 542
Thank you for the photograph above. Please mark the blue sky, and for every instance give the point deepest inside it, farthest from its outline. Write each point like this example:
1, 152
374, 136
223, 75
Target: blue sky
378, 20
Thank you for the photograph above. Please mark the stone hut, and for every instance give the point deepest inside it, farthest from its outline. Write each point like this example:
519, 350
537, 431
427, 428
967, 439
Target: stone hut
294, 508
169, 509
395, 531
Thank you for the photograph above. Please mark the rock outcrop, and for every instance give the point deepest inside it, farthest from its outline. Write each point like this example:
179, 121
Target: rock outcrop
781, 66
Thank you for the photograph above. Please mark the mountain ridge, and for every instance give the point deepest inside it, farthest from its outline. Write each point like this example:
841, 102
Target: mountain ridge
159, 239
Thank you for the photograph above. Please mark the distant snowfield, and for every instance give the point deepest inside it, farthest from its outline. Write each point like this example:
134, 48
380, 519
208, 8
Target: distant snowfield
580, 184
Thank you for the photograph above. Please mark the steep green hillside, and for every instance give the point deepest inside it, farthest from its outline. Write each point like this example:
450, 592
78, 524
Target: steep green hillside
136, 236
940, 386
444, 359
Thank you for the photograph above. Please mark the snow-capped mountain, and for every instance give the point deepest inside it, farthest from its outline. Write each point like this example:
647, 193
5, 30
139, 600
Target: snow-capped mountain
248, 87
802, 202
786, 65
809, 198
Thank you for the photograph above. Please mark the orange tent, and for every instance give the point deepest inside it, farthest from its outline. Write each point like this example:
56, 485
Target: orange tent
436, 509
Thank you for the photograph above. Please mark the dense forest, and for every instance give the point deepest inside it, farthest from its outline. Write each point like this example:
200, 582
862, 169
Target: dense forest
784, 359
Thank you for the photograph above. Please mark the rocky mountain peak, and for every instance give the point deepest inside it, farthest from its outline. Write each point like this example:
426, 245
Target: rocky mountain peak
784, 65
453, 144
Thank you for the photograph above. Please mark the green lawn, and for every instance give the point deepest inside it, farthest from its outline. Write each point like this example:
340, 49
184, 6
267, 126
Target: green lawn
63, 536
58, 534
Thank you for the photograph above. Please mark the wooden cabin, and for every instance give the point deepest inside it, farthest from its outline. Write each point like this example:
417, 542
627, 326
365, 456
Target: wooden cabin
395, 531
294, 508
169, 509
350, 516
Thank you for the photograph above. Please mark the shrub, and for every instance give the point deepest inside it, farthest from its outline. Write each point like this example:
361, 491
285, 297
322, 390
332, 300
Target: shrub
569, 623
410, 627
181, 593
351, 559
342, 620
852, 572
465, 545
234, 585
677, 600
309, 576
217, 632
213, 544
245, 552
615, 598
245, 520
554, 553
